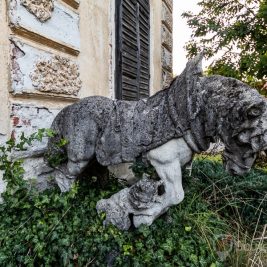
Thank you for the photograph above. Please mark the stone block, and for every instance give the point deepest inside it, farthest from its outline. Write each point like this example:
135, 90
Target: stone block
2, 185
166, 59
166, 38
166, 17
34, 71
167, 78
40, 174
169, 3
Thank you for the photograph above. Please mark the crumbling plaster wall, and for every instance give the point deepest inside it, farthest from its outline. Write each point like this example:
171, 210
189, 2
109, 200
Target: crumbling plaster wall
4, 81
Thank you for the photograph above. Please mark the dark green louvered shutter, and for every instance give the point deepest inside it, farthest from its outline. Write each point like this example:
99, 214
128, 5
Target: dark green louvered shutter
132, 49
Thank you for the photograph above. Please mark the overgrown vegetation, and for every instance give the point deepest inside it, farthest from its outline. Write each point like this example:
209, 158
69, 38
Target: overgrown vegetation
213, 226
239, 201
236, 33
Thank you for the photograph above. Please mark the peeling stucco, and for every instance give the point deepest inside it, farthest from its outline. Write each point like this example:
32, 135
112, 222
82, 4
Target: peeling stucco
17, 74
27, 119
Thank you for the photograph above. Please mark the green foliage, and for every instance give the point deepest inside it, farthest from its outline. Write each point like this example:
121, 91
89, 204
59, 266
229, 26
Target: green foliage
64, 229
240, 199
241, 202
12, 169
238, 31
139, 168
58, 154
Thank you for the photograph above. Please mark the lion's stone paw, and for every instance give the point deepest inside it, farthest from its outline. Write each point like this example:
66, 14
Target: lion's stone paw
114, 214
138, 220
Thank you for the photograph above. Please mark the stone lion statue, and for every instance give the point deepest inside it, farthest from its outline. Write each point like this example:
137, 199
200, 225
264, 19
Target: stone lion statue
168, 128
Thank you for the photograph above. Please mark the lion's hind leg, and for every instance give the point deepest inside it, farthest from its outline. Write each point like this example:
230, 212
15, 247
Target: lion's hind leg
165, 159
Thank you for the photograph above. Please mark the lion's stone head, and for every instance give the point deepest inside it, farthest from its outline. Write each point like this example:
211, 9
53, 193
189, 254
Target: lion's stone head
238, 115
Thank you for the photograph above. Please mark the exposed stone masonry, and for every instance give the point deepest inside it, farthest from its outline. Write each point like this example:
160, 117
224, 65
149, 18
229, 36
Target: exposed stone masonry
166, 42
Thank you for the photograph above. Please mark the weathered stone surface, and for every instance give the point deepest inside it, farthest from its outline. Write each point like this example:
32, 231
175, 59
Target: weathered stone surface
166, 78
57, 75
169, 3
166, 40
61, 27
37, 170
16, 73
34, 70
167, 17
3, 138
166, 59
2, 185
131, 132
166, 37
123, 172
41, 9
168, 128
140, 196
148, 199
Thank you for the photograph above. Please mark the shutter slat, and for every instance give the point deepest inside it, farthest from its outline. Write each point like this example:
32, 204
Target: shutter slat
129, 72
133, 49
144, 12
144, 38
129, 18
131, 89
129, 65
144, 76
128, 8
129, 61
128, 28
129, 50
145, 34
144, 58
145, 67
129, 81
144, 23
129, 56
129, 39
144, 4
